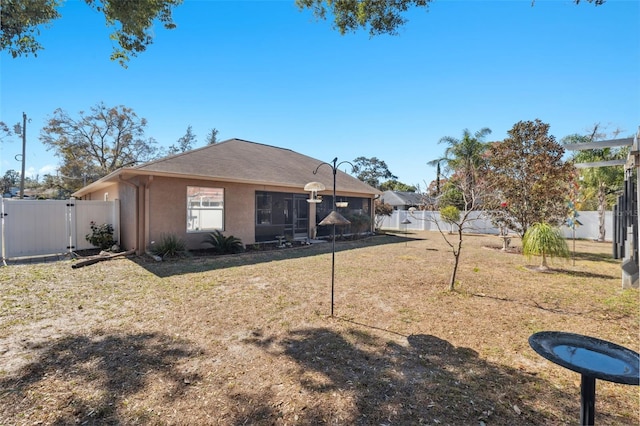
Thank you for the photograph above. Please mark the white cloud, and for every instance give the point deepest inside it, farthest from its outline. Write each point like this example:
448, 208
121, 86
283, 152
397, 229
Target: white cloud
49, 169
31, 172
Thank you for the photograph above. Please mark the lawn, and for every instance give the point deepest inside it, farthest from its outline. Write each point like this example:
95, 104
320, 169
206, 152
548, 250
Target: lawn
247, 339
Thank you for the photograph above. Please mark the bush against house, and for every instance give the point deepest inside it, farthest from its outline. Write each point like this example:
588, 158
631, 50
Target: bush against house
382, 210
222, 244
101, 236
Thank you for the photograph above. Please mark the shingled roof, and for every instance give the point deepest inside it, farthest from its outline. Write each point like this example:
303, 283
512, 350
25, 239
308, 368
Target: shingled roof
237, 160
403, 198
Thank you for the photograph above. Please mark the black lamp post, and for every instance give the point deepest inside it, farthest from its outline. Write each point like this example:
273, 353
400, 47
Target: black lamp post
334, 218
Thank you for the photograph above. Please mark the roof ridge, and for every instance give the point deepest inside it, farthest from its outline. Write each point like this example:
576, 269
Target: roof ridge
260, 143
176, 155
179, 154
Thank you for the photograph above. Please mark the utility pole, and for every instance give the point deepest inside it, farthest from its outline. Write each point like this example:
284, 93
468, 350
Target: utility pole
24, 148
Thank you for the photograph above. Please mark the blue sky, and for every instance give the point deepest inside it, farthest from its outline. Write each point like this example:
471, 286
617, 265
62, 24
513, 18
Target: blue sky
266, 72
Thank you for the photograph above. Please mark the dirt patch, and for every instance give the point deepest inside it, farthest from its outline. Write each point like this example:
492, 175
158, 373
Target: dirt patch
247, 339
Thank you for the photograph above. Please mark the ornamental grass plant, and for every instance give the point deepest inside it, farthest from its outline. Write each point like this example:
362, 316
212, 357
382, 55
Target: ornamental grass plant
545, 241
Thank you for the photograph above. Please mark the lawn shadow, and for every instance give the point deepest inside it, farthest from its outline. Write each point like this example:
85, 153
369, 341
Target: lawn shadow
594, 257
201, 264
427, 380
531, 303
583, 274
85, 379
580, 274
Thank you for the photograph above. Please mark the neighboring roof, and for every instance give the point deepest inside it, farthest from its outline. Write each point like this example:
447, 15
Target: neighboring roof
402, 198
237, 160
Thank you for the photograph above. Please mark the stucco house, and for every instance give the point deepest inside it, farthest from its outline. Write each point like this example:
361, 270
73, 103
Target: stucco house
252, 191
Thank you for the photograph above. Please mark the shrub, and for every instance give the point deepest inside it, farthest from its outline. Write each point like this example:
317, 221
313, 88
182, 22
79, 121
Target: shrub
169, 245
452, 195
359, 223
382, 210
451, 215
222, 244
541, 239
101, 236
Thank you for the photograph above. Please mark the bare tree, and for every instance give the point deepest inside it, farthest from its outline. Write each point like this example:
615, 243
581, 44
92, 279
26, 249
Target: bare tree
185, 143
98, 142
212, 137
4, 131
459, 221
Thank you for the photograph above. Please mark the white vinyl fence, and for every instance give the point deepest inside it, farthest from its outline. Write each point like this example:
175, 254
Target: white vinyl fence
426, 221
49, 227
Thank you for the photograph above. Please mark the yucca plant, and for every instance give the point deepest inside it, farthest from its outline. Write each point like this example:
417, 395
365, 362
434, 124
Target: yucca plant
222, 244
168, 245
542, 239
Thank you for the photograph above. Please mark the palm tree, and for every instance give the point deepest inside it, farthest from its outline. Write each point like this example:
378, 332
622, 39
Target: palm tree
464, 155
436, 163
541, 239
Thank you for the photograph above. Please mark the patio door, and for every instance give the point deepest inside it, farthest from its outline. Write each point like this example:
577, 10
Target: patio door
300, 216
297, 217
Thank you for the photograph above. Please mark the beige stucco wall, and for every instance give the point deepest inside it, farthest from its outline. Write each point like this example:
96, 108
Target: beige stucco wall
163, 209
128, 223
166, 207
126, 193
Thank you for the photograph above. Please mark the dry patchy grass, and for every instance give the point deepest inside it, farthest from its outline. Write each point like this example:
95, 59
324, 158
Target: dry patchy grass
246, 339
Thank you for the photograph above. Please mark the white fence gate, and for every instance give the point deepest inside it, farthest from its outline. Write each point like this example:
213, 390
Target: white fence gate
48, 227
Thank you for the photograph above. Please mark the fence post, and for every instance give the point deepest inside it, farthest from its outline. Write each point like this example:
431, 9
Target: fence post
2, 242
70, 222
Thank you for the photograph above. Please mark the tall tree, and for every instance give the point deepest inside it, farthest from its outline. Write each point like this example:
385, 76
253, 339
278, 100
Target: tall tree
10, 180
598, 185
434, 189
60, 187
4, 131
395, 185
532, 178
371, 170
185, 143
377, 16
465, 156
212, 137
132, 23
98, 142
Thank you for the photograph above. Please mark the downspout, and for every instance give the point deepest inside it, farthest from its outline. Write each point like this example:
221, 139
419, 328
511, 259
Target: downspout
372, 212
147, 211
138, 248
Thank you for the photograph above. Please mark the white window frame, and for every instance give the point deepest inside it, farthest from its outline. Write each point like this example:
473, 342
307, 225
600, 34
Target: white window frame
205, 209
